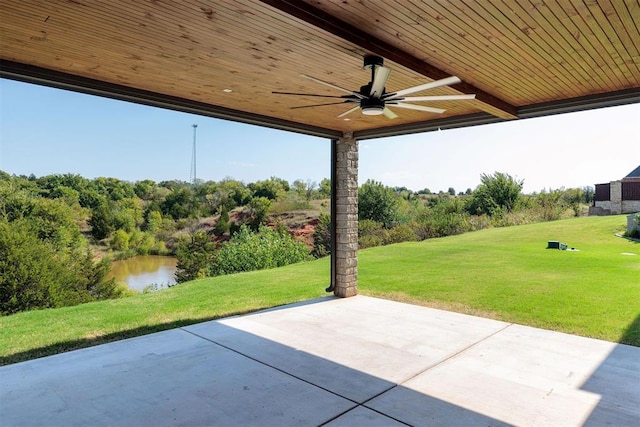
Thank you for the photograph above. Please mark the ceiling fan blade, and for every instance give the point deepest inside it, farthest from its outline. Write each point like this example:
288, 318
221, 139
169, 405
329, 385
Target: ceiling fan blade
434, 98
431, 85
389, 114
322, 82
320, 105
379, 80
313, 94
351, 110
419, 108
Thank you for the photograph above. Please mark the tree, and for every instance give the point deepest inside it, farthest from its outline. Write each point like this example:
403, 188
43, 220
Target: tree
496, 194
101, 221
451, 191
310, 188
27, 269
179, 204
377, 203
272, 188
322, 237
325, 188
551, 204
258, 210
195, 257
299, 187
222, 226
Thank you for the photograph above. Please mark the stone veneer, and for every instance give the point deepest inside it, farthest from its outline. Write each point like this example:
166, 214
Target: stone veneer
346, 217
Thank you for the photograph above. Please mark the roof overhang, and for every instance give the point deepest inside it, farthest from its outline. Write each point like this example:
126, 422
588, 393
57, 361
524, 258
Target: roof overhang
521, 60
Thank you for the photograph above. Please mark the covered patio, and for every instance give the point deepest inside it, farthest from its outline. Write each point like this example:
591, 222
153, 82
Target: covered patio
358, 361
355, 361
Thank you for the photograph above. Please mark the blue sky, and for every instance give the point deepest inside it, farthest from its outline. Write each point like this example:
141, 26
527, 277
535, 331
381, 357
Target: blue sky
45, 131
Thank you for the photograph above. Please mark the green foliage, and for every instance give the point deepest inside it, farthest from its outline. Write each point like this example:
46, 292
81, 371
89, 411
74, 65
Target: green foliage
28, 269
497, 194
272, 188
325, 188
195, 256
551, 204
267, 248
232, 193
575, 198
258, 210
222, 225
120, 241
401, 233
377, 203
179, 204
322, 237
371, 233
101, 221
440, 223
299, 187
35, 273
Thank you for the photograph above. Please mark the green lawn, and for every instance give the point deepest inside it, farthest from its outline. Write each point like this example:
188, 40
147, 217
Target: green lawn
502, 273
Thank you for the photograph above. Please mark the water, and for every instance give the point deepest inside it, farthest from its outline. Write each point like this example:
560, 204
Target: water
143, 270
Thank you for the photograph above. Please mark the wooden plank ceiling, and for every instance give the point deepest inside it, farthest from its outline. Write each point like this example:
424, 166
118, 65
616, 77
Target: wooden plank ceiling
225, 58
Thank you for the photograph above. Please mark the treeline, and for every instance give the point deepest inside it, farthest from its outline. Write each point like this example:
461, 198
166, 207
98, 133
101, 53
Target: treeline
58, 232
392, 215
389, 215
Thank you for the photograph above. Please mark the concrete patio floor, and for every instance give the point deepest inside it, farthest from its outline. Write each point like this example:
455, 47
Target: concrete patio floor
359, 361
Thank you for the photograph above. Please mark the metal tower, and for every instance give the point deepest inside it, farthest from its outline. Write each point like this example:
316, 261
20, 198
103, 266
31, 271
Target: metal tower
192, 177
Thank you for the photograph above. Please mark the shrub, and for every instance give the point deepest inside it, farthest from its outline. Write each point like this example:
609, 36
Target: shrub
266, 248
222, 226
377, 203
322, 237
438, 223
371, 233
120, 241
369, 241
195, 257
498, 193
258, 209
401, 233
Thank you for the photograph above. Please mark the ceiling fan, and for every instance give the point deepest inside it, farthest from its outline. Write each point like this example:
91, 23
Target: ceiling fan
373, 99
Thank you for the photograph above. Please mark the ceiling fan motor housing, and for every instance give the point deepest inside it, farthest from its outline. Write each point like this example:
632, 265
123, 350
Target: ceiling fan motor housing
372, 61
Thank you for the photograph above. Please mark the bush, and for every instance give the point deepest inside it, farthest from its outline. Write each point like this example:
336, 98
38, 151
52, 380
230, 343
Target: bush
322, 237
401, 233
377, 203
222, 225
258, 209
437, 223
195, 256
266, 248
498, 193
120, 241
371, 233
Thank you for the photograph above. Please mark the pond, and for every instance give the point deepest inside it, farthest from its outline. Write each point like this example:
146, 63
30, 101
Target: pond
143, 270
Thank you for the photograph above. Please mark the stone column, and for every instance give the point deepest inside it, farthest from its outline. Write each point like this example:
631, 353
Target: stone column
616, 197
346, 216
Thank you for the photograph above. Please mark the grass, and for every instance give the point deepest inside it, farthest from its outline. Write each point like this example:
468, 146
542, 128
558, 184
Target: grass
505, 274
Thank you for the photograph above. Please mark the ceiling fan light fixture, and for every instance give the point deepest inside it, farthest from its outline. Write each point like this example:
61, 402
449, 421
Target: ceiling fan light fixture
373, 110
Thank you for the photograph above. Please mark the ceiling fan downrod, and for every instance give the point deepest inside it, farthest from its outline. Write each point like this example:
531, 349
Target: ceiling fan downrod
372, 105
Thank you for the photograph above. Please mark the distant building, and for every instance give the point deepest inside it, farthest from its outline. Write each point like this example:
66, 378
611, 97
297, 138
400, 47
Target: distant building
618, 197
